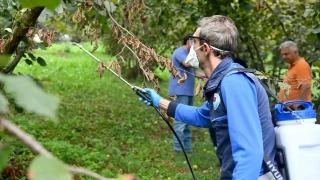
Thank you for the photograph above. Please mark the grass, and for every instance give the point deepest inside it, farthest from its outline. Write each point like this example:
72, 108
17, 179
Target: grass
102, 125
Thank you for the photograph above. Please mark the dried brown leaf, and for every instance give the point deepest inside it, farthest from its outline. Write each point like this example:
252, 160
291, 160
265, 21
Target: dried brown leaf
199, 87
182, 79
142, 52
136, 43
78, 16
150, 75
96, 45
88, 5
156, 85
46, 36
114, 30
29, 36
123, 39
143, 18
117, 66
101, 67
2, 43
144, 83
162, 66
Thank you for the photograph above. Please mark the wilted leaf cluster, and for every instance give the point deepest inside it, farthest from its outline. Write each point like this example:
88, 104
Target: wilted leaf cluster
145, 57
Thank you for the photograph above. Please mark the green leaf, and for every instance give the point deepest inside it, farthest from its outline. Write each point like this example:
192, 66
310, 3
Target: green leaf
312, 37
29, 62
99, 2
41, 46
5, 152
103, 13
307, 12
3, 104
49, 169
50, 4
29, 96
4, 60
62, 6
316, 30
115, 1
316, 63
110, 6
41, 61
8, 29
32, 56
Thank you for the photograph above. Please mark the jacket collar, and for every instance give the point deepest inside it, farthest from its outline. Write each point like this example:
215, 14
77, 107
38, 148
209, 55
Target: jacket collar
217, 75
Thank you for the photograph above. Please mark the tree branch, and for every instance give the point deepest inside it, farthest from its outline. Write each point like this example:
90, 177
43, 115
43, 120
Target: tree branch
281, 24
26, 139
37, 148
258, 54
14, 63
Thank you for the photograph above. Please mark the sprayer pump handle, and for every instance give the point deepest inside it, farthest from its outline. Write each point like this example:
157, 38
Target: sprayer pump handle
143, 95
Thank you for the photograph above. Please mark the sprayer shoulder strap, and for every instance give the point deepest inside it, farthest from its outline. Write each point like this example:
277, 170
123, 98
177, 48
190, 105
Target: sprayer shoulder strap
247, 70
272, 168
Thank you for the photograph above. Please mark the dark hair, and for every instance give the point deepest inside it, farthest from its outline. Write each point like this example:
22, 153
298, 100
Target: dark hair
186, 38
241, 62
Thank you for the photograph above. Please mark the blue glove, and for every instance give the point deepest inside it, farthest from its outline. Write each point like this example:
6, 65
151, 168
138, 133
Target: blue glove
154, 96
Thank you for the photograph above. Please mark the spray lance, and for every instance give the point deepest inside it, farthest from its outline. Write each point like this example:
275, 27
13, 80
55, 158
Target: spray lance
144, 95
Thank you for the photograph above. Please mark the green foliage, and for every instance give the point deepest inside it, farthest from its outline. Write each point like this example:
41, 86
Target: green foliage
48, 168
103, 126
5, 152
29, 96
4, 60
41, 61
3, 104
163, 75
50, 4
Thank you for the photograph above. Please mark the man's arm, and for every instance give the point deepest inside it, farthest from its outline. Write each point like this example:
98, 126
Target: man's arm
200, 74
195, 116
240, 98
304, 79
181, 58
305, 90
185, 64
164, 103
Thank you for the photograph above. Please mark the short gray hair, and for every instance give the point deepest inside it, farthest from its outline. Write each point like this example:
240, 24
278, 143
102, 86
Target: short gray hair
220, 32
289, 44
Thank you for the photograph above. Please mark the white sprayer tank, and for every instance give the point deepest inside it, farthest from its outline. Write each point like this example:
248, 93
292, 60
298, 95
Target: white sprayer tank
298, 142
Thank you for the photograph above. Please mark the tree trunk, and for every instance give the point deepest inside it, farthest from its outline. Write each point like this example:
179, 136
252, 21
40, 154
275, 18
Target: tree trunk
20, 29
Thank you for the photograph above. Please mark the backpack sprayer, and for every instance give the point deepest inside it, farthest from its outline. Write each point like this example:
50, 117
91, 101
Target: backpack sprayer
144, 95
297, 139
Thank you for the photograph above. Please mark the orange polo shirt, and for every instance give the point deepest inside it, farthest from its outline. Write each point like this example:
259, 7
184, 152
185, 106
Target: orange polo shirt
298, 73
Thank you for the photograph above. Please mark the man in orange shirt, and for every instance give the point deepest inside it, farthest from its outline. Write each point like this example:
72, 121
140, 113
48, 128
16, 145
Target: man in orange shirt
297, 81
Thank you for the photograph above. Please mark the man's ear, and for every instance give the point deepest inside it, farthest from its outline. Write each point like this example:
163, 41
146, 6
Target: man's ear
206, 48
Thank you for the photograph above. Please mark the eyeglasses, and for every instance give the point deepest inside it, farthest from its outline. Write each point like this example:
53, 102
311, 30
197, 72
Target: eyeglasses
191, 38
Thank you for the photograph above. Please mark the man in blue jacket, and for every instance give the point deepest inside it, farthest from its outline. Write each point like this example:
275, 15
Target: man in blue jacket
236, 103
184, 94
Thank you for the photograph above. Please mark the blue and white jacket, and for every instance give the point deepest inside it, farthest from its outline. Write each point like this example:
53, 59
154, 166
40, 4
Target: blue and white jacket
237, 106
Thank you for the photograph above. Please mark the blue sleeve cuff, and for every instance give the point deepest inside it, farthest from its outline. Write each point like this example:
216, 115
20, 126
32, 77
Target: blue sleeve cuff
171, 111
